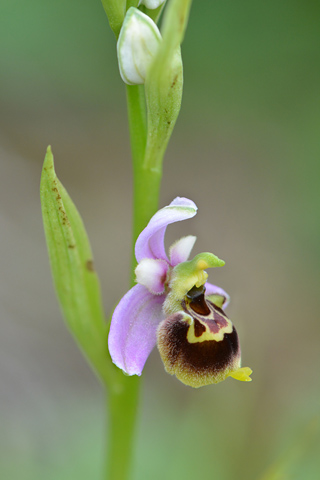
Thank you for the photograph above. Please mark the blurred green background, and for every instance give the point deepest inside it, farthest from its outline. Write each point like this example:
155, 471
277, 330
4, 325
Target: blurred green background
246, 149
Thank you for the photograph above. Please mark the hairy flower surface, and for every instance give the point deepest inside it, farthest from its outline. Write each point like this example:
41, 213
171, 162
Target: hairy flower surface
174, 306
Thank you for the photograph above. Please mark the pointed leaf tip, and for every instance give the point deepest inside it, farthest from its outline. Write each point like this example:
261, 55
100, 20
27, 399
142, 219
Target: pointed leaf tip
48, 161
76, 283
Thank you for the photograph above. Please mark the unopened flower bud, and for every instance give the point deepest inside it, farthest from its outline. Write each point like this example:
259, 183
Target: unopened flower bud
137, 44
152, 4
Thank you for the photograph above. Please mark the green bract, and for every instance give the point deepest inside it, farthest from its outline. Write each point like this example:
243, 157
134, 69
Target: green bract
164, 81
115, 10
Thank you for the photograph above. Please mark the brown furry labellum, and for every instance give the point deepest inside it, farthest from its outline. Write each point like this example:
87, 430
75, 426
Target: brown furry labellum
199, 344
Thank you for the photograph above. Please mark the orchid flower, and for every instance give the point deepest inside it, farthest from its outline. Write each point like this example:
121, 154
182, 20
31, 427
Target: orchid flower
175, 307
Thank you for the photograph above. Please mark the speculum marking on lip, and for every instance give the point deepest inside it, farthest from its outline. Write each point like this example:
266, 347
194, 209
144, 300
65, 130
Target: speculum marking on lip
199, 328
213, 326
208, 316
217, 323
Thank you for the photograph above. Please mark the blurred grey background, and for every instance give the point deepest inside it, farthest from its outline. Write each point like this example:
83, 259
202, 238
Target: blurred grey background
246, 150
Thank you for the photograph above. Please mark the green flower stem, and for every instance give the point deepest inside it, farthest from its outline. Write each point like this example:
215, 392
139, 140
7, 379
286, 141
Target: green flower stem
137, 121
146, 178
123, 396
146, 196
122, 408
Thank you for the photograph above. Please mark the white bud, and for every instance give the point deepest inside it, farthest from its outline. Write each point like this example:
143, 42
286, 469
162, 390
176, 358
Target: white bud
137, 44
152, 4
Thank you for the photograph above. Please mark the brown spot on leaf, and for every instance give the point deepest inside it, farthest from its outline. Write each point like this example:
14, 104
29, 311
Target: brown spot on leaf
174, 81
89, 265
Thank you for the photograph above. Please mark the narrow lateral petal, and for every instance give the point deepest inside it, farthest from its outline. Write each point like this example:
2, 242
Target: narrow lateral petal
133, 329
152, 274
181, 249
214, 290
150, 243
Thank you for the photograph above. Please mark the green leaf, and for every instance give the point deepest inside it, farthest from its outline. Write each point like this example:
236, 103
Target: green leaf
76, 282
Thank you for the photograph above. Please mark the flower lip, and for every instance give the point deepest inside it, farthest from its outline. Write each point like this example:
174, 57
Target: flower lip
199, 344
196, 363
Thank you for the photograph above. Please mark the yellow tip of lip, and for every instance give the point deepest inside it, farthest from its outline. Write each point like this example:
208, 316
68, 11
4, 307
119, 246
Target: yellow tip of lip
243, 374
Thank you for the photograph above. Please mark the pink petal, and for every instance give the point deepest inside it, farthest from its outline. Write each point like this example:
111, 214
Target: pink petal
181, 249
152, 274
150, 243
133, 329
214, 290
